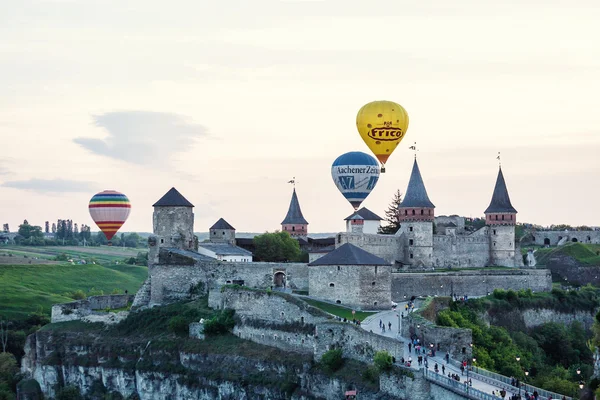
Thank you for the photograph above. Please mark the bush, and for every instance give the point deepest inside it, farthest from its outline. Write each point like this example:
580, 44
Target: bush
78, 295
332, 360
69, 393
383, 360
179, 325
371, 374
220, 324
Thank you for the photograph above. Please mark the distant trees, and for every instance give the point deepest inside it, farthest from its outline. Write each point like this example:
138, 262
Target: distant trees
47, 227
5, 228
28, 231
392, 215
275, 247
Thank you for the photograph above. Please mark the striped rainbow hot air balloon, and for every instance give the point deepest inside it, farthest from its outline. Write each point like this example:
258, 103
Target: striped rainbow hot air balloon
109, 210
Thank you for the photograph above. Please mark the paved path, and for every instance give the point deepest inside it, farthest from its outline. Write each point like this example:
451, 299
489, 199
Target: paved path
392, 317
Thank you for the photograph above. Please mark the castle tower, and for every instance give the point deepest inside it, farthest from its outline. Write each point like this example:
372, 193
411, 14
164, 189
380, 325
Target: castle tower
222, 232
501, 217
294, 222
173, 225
416, 215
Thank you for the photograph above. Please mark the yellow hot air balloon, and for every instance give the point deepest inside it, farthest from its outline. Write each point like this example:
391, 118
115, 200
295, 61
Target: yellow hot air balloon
382, 125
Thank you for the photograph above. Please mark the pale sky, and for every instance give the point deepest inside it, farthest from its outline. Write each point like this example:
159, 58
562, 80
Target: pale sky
228, 100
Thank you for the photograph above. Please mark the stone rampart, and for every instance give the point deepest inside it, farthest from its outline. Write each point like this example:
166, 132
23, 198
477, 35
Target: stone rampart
174, 282
87, 309
461, 251
288, 340
355, 342
388, 247
472, 283
551, 238
278, 307
454, 340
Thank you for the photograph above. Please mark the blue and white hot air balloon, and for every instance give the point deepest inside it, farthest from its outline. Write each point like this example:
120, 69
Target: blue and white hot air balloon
355, 174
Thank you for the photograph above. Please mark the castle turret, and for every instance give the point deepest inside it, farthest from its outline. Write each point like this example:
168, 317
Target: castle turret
173, 225
501, 218
416, 215
294, 222
222, 231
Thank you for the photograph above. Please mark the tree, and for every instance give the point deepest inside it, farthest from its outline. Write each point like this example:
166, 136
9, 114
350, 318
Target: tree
5, 228
383, 360
47, 227
276, 246
28, 231
53, 228
4, 334
392, 215
75, 229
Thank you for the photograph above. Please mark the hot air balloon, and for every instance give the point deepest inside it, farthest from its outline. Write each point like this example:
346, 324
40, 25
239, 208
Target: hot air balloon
355, 174
109, 210
382, 125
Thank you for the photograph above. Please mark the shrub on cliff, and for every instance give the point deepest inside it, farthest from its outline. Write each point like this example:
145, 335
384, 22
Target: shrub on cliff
179, 325
220, 323
69, 393
332, 360
383, 360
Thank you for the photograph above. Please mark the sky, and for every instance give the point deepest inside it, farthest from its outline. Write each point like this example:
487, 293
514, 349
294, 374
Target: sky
228, 100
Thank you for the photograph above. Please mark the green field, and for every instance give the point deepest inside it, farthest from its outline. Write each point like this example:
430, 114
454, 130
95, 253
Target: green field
29, 288
340, 311
584, 253
99, 254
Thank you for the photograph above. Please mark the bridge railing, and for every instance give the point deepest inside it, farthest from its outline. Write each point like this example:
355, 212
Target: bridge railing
544, 394
457, 387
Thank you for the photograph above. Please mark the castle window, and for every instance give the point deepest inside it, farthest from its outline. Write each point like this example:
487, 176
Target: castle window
332, 285
410, 242
494, 231
510, 216
422, 212
338, 302
413, 212
214, 232
223, 232
503, 218
405, 212
339, 238
339, 268
373, 283
494, 244
162, 240
496, 218
375, 303
375, 269
411, 255
410, 228
293, 228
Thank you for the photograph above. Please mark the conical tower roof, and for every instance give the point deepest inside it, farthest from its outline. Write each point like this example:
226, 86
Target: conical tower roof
416, 194
500, 200
173, 199
222, 224
294, 214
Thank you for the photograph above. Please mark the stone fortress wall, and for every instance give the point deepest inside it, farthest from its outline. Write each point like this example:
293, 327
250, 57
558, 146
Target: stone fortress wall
87, 310
388, 247
462, 251
290, 324
471, 283
553, 238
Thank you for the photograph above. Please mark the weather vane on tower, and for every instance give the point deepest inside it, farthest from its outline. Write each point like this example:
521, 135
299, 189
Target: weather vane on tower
414, 147
498, 158
293, 181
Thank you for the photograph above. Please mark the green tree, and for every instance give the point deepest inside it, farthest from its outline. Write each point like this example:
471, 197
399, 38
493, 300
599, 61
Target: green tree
69, 393
30, 231
332, 360
383, 360
132, 240
276, 247
392, 215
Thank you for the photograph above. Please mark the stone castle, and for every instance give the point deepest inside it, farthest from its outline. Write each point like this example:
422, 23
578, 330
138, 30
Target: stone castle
424, 241
358, 268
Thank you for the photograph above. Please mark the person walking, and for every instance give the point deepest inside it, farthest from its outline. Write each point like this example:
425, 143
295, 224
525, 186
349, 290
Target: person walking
443, 369
380, 323
447, 357
409, 346
390, 325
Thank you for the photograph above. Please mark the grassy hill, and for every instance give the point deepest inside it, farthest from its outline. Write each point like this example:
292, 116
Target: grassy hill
588, 254
100, 254
29, 288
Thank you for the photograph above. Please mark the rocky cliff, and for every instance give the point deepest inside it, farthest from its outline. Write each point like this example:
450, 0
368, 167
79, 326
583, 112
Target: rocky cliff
98, 364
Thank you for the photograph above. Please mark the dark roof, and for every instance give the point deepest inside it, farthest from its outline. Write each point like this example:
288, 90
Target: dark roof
349, 254
366, 214
189, 253
416, 195
225, 249
322, 241
354, 216
294, 214
173, 199
222, 224
500, 200
451, 225
244, 241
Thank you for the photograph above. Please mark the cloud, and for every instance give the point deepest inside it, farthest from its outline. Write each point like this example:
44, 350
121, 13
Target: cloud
142, 137
3, 169
50, 185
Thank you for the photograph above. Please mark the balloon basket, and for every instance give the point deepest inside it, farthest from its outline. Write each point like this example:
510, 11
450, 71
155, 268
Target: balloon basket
109, 243
383, 170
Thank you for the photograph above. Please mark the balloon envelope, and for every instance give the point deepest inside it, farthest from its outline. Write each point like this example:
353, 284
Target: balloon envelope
382, 125
355, 174
109, 210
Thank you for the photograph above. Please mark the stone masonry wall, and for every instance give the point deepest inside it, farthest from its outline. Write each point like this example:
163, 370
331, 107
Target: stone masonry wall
462, 251
387, 247
471, 283
358, 286
453, 340
420, 252
289, 341
173, 282
502, 245
85, 310
555, 236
